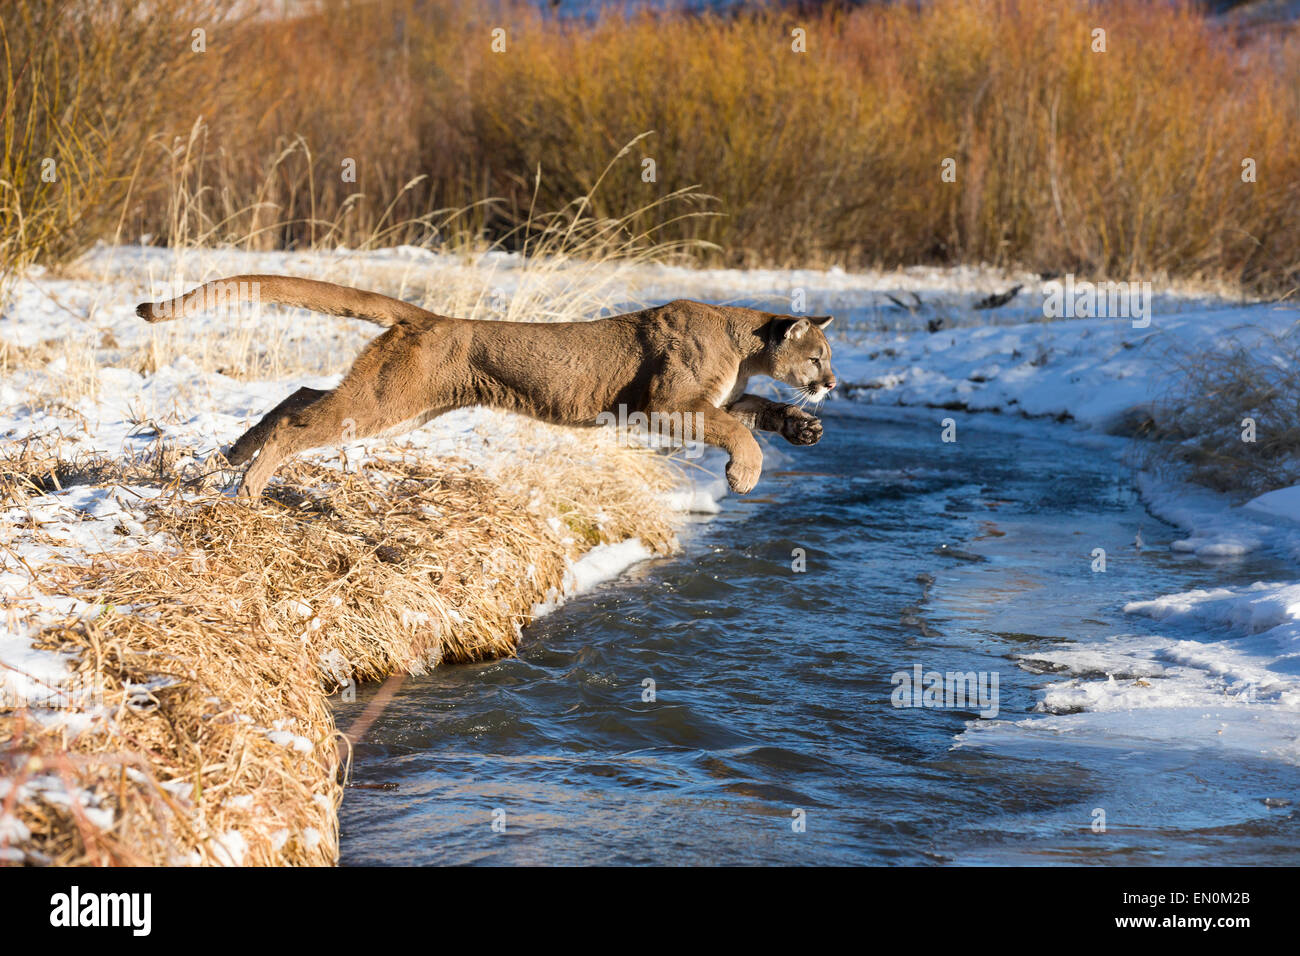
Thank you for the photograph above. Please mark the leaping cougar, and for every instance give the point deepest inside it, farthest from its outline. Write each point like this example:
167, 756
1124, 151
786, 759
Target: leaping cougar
684, 357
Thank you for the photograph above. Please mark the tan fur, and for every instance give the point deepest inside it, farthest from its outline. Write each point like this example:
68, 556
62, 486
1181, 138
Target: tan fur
683, 357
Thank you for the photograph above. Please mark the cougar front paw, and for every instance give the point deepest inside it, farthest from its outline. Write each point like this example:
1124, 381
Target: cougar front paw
800, 427
743, 475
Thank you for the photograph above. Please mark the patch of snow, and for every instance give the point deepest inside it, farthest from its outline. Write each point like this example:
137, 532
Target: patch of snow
229, 848
1282, 503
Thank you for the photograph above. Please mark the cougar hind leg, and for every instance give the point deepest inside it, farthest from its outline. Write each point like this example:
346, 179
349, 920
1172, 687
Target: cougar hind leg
387, 387
326, 421
332, 420
253, 439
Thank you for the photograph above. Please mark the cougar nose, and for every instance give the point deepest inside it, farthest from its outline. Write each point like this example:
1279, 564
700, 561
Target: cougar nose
830, 385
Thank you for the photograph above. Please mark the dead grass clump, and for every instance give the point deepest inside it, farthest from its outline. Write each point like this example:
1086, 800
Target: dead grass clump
213, 742
210, 746
42, 464
601, 489
1231, 419
32, 471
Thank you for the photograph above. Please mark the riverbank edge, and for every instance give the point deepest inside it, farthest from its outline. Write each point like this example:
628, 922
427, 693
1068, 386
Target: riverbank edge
229, 754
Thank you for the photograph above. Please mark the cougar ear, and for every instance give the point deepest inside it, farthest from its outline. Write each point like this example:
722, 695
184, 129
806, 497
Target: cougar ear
821, 321
791, 328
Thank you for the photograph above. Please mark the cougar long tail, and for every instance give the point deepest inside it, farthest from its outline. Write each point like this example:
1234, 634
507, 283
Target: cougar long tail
323, 297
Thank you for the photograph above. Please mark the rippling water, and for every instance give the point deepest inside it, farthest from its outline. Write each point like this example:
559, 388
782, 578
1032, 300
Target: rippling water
773, 688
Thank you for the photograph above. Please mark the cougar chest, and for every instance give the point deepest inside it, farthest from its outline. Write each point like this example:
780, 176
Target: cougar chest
730, 389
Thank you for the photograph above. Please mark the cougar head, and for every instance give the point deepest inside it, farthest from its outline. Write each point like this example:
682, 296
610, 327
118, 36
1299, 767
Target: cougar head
799, 354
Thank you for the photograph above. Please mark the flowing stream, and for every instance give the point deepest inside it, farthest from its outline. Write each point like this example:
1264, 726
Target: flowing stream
773, 736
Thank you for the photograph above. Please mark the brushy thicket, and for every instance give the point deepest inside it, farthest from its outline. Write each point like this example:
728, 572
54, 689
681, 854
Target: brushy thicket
1202, 416
1125, 163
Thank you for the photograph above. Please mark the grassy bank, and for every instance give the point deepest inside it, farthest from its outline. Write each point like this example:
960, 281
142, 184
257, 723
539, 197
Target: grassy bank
205, 736
1126, 162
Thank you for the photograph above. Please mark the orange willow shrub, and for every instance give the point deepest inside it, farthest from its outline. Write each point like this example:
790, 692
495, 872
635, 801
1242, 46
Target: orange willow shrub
1126, 162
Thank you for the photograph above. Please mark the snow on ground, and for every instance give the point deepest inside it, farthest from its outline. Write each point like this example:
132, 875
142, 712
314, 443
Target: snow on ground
1094, 371
907, 338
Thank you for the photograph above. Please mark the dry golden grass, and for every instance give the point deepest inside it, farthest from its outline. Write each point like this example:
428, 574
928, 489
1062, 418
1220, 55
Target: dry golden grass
81, 84
574, 264
68, 367
204, 653
1125, 163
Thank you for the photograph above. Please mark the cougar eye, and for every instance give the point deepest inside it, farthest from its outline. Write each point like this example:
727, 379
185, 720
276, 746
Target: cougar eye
817, 362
